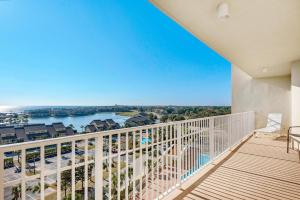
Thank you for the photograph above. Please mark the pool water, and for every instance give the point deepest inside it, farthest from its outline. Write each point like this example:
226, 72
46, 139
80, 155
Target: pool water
202, 160
146, 140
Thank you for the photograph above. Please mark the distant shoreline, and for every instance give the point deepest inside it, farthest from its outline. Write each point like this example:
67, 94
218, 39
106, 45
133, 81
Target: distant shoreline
79, 121
83, 115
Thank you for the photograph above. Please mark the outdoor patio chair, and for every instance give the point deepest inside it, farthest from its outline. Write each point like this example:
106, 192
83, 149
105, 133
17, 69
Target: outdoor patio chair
293, 137
273, 124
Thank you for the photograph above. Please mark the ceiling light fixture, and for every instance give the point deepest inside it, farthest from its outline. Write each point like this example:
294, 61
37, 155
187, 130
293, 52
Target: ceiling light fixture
223, 10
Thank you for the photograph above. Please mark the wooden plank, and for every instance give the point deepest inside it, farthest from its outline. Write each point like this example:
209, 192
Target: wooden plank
259, 169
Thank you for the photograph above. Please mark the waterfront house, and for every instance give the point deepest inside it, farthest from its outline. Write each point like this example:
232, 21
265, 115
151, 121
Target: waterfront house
90, 128
7, 135
13, 134
101, 125
20, 134
60, 130
59, 127
36, 132
138, 120
112, 124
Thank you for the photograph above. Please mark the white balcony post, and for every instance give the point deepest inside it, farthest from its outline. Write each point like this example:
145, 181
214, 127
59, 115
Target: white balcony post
141, 165
73, 188
42, 165
1, 175
109, 164
152, 163
23, 174
211, 138
119, 166
147, 160
127, 170
98, 168
133, 166
179, 153
253, 120
86, 168
58, 164
229, 131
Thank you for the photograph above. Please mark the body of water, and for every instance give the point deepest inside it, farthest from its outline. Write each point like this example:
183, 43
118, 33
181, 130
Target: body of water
79, 121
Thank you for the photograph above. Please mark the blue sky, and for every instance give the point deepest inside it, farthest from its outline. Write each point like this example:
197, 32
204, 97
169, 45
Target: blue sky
75, 52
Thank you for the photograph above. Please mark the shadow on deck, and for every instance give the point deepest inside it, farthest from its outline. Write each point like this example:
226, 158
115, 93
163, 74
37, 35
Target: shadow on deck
259, 169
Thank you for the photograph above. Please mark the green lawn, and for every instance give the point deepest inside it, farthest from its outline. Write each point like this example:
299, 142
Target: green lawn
128, 114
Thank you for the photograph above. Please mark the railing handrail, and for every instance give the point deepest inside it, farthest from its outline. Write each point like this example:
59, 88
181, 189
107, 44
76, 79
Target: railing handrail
175, 150
82, 136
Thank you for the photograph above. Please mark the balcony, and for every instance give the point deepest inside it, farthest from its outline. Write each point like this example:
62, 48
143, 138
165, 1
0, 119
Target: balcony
148, 162
208, 158
259, 169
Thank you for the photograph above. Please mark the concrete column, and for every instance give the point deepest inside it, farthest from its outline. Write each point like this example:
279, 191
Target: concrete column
295, 93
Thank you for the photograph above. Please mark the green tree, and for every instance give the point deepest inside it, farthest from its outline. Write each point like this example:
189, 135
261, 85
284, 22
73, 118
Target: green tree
130, 172
66, 181
16, 192
122, 177
79, 176
164, 118
19, 155
90, 172
37, 188
114, 187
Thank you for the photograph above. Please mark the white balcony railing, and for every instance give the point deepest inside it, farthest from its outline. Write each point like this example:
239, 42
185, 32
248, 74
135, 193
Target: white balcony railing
136, 163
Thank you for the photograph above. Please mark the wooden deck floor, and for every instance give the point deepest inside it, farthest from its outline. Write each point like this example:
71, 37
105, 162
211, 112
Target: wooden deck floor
260, 169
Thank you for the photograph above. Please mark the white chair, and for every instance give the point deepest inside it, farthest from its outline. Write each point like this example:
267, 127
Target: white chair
273, 125
294, 138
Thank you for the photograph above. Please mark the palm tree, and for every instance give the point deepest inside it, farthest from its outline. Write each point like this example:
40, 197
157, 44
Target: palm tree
19, 154
34, 157
79, 176
149, 165
66, 181
114, 180
122, 177
34, 167
16, 192
90, 172
37, 188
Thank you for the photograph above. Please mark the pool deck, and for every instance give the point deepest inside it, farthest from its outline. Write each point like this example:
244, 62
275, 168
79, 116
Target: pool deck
259, 169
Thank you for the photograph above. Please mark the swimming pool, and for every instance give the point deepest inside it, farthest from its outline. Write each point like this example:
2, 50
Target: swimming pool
146, 140
202, 160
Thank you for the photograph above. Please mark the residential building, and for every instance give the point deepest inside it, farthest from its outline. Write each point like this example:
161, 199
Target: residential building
7, 134
138, 120
102, 125
59, 130
90, 128
31, 132
36, 132
112, 124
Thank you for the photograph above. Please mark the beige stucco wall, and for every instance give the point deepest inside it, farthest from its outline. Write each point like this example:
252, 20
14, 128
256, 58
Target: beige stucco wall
262, 95
296, 93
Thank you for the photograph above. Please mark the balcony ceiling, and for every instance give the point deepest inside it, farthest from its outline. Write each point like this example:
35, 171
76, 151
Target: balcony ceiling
260, 36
